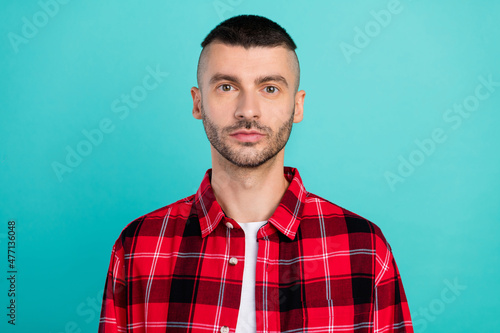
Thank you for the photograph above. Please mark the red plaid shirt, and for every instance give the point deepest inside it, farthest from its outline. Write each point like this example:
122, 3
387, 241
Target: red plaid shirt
320, 268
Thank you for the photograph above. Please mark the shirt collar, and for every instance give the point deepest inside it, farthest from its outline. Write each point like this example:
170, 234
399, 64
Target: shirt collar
286, 217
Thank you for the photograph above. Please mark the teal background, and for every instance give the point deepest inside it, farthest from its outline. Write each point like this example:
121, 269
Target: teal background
363, 114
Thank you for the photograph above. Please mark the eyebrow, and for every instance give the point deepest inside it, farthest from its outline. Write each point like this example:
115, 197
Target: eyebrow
261, 79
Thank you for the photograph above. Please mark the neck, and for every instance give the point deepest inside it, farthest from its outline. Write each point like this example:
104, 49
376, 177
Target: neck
249, 194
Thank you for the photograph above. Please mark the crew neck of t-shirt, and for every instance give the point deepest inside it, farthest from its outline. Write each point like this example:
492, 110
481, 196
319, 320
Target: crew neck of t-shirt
251, 226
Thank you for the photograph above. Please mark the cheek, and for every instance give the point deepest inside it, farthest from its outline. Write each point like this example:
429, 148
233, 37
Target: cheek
216, 110
219, 119
275, 115
221, 104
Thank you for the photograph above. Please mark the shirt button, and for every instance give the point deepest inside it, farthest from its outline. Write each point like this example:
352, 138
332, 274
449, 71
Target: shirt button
233, 261
224, 329
230, 226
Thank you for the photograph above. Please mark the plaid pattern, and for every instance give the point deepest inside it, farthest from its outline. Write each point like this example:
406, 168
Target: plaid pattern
320, 268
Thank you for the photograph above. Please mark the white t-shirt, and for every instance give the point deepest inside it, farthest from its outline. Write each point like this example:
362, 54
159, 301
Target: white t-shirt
246, 316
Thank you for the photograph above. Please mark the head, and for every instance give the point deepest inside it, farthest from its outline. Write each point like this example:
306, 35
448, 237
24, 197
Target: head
248, 78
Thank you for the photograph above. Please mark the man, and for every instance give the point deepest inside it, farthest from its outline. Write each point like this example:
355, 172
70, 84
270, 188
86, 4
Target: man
252, 250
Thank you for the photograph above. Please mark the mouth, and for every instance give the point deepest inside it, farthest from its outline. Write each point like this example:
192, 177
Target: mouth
252, 136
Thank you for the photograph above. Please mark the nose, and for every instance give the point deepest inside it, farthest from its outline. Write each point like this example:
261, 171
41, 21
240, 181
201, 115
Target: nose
248, 106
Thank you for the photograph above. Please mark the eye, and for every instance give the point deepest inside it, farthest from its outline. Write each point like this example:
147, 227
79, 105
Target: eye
225, 87
271, 89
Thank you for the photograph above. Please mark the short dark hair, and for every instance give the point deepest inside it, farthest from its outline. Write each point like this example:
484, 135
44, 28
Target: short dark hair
250, 31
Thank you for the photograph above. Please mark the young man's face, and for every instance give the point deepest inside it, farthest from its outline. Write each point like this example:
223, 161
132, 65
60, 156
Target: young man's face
249, 90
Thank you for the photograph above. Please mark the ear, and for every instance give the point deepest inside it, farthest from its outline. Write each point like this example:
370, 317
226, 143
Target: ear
299, 106
196, 95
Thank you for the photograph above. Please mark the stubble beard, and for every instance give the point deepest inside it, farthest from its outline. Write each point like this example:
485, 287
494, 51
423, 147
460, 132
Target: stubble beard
254, 158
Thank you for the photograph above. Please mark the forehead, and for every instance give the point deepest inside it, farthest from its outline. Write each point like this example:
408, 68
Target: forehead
247, 63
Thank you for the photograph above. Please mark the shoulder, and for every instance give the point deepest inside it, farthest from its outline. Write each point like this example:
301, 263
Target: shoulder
339, 219
151, 224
